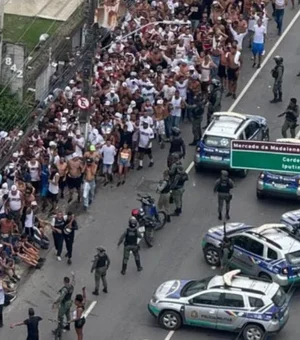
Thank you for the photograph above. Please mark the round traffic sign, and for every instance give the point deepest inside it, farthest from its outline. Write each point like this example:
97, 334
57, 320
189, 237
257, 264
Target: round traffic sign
83, 103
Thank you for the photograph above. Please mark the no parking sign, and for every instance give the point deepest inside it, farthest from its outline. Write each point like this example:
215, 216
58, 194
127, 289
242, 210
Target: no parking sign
83, 103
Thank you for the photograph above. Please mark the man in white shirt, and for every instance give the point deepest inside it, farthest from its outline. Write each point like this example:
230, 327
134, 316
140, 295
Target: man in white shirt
187, 38
168, 90
258, 42
145, 137
145, 118
279, 13
108, 152
79, 143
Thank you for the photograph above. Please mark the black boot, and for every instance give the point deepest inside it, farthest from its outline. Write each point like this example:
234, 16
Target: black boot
227, 215
220, 217
95, 292
138, 265
104, 290
179, 211
124, 267
280, 97
168, 218
194, 143
67, 328
176, 212
274, 100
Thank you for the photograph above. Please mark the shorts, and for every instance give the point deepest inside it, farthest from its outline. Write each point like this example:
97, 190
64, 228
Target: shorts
44, 191
124, 162
74, 182
145, 151
107, 168
222, 72
52, 197
257, 49
232, 74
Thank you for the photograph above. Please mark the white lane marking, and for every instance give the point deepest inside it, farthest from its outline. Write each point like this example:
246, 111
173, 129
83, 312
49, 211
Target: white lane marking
250, 82
170, 334
90, 308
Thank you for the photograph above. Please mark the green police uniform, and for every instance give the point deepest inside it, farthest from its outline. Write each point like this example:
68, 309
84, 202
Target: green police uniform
197, 117
130, 238
214, 105
223, 186
163, 189
101, 264
65, 303
291, 115
277, 74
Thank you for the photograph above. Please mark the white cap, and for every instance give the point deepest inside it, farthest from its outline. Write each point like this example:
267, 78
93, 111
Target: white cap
72, 82
160, 102
15, 154
124, 84
68, 88
191, 67
52, 143
4, 186
66, 111
64, 128
64, 120
14, 188
133, 103
118, 115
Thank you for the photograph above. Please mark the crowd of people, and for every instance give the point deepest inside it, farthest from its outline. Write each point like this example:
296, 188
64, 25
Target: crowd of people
164, 56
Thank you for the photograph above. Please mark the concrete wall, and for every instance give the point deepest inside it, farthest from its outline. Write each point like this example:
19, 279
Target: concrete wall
42, 83
13, 68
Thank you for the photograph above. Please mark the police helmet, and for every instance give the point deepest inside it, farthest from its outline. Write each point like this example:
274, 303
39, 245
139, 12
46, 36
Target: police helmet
132, 222
216, 82
278, 59
100, 249
176, 131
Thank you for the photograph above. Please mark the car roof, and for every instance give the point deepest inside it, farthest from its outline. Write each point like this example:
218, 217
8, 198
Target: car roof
243, 283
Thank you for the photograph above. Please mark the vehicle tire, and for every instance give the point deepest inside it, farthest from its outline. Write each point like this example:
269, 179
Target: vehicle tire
161, 220
253, 332
243, 173
149, 237
170, 320
259, 195
212, 256
265, 276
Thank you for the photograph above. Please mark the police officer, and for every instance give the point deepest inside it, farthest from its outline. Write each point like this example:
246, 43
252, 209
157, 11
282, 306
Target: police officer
277, 74
164, 188
64, 301
197, 117
214, 99
176, 144
291, 115
101, 264
226, 253
130, 239
178, 177
223, 186
69, 234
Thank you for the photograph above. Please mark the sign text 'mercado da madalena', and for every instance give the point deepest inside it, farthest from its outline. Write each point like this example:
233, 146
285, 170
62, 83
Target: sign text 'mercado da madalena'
268, 147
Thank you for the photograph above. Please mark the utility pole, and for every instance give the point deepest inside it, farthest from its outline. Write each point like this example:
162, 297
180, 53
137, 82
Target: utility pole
89, 50
1, 32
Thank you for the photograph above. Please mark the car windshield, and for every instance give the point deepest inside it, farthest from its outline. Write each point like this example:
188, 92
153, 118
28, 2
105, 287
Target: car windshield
294, 258
216, 141
194, 287
279, 298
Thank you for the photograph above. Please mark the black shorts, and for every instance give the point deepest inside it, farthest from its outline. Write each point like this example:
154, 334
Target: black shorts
222, 71
145, 151
52, 197
232, 74
74, 183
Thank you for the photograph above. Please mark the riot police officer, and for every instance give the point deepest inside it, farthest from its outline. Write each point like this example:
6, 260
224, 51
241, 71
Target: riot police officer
291, 115
214, 99
178, 177
101, 264
197, 117
277, 74
177, 144
130, 239
223, 186
164, 188
64, 301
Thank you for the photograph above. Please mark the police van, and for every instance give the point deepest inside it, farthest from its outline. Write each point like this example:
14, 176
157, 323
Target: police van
213, 150
279, 184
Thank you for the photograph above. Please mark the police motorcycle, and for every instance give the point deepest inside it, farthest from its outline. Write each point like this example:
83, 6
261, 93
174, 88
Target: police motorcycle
149, 218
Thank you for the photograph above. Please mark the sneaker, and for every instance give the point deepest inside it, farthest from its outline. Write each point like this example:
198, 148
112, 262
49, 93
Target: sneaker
58, 258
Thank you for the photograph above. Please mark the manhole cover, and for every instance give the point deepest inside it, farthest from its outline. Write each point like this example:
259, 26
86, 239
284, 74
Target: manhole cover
147, 186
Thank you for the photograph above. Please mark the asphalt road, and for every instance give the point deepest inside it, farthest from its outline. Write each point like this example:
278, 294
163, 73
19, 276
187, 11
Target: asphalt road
122, 313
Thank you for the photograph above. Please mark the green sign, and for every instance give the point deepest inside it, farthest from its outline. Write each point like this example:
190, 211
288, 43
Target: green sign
272, 156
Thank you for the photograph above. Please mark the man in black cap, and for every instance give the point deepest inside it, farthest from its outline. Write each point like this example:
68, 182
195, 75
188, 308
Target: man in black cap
101, 264
291, 115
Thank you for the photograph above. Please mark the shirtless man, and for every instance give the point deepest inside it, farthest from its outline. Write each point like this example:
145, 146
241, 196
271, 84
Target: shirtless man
74, 177
62, 167
89, 182
234, 64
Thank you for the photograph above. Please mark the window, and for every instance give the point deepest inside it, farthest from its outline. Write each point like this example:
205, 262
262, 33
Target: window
251, 129
195, 287
255, 302
240, 241
272, 255
232, 300
211, 299
256, 248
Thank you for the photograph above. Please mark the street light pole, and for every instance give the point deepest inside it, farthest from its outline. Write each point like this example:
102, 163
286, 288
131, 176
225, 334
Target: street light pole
1, 32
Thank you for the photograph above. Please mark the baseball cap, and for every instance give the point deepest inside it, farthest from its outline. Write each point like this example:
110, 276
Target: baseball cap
92, 148
14, 188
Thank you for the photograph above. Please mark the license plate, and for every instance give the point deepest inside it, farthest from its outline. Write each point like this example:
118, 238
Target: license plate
216, 158
280, 186
142, 229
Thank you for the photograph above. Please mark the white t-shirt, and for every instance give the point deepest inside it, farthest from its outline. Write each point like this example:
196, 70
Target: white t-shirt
259, 33
34, 171
182, 88
147, 120
108, 153
168, 91
176, 103
79, 148
145, 136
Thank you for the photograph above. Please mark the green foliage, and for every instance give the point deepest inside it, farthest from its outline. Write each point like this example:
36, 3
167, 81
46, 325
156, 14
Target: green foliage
12, 112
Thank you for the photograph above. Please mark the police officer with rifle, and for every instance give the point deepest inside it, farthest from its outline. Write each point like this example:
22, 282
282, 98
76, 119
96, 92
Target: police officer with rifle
100, 265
